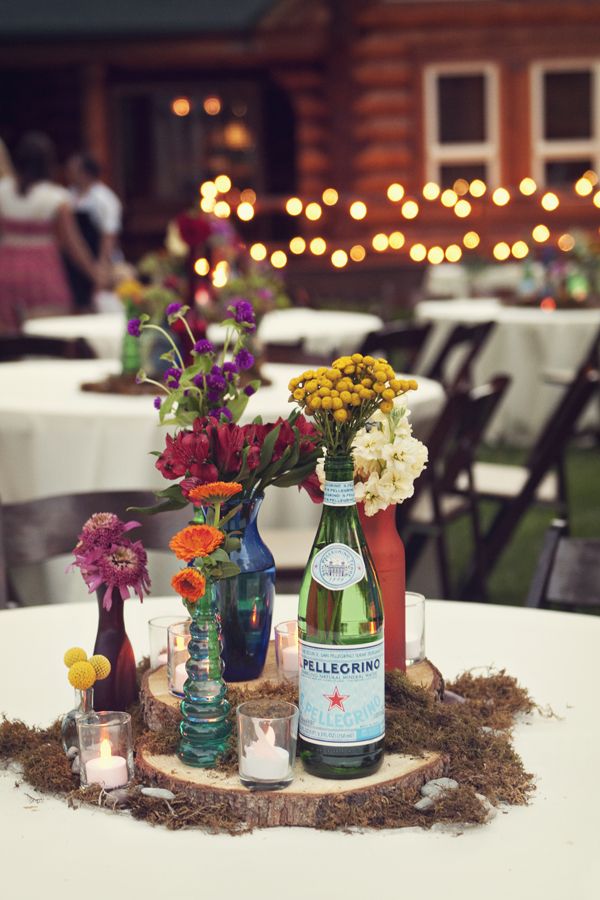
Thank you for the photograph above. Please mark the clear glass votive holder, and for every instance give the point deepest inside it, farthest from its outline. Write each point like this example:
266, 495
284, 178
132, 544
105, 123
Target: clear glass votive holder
267, 736
286, 650
105, 749
157, 635
415, 628
178, 638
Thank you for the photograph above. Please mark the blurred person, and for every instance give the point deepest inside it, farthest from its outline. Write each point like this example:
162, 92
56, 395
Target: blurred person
36, 220
98, 212
5, 163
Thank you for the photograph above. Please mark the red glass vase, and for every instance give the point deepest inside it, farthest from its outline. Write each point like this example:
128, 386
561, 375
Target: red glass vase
387, 552
119, 690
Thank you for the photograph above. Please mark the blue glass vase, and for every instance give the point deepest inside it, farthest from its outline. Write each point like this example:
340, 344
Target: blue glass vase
245, 602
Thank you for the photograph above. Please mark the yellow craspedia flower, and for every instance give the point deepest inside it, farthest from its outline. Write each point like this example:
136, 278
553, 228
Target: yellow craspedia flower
326, 403
101, 666
388, 394
73, 655
387, 406
82, 675
340, 415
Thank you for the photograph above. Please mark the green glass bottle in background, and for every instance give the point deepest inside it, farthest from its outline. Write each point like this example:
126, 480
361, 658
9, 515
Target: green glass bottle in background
340, 625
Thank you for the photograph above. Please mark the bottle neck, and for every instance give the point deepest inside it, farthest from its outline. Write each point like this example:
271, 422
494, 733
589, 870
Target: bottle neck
339, 481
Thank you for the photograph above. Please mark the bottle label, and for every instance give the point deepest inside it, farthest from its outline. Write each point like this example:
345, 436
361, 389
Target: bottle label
337, 566
342, 693
339, 493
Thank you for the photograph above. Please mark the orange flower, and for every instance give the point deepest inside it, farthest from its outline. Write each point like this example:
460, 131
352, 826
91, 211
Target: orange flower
215, 492
189, 584
196, 540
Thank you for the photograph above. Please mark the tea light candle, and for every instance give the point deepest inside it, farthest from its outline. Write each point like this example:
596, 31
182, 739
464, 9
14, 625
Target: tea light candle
107, 770
180, 678
289, 659
161, 659
263, 760
413, 648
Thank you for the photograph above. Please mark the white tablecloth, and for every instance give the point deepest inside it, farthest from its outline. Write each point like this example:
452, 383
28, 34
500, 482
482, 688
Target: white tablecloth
322, 331
524, 344
544, 851
57, 439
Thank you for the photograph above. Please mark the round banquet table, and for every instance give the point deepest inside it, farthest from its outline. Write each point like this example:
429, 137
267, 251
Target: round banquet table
56, 439
525, 344
544, 851
322, 331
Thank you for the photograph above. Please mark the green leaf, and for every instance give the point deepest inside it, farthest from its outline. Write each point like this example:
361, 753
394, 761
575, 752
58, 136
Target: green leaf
237, 406
266, 453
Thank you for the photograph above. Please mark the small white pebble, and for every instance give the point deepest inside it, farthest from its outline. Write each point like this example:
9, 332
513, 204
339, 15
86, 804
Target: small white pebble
72, 752
159, 793
424, 804
438, 786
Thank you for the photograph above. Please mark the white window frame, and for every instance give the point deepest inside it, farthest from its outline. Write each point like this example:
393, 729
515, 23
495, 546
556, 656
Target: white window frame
543, 150
486, 152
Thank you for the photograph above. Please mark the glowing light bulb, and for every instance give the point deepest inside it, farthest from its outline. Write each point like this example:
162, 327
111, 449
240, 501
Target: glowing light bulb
294, 206
519, 249
462, 209
358, 210
208, 189
597, 199
453, 253
477, 188
258, 252
207, 204
212, 106
431, 190
248, 196
318, 246
501, 196
245, 212
278, 259
448, 198
395, 192
380, 242
501, 251
550, 201
471, 240
461, 186
418, 252
330, 196
357, 253
222, 209
435, 256
527, 186
223, 183
396, 240
201, 267
566, 242
410, 209
313, 211
181, 106
297, 245
540, 233
583, 187
339, 258
220, 276
591, 177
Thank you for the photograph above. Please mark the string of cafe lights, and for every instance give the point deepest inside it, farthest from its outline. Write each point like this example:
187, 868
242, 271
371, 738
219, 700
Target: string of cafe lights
220, 198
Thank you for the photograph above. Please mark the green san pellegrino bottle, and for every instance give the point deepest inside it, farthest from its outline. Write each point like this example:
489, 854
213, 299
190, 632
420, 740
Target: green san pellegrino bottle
340, 626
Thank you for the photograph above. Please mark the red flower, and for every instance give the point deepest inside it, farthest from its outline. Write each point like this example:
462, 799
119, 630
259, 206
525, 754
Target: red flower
186, 454
312, 486
229, 443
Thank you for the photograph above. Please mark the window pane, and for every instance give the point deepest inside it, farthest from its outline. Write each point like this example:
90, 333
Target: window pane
567, 105
566, 171
461, 109
470, 171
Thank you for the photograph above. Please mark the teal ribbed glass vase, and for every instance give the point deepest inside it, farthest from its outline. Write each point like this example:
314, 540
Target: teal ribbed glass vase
205, 726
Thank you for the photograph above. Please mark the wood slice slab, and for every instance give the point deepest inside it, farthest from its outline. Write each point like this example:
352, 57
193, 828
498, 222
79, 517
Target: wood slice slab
307, 802
161, 709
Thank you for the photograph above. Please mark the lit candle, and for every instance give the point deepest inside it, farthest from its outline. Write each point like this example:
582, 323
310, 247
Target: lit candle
289, 660
161, 659
107, 770
413, 648
263, 760
180, 678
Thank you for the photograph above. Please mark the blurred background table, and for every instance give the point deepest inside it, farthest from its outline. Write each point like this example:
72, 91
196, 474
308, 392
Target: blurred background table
526, 343
544, 850
57, 439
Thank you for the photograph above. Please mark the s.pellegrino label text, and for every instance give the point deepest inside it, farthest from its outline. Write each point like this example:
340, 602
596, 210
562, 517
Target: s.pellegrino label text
342, 693
339, 493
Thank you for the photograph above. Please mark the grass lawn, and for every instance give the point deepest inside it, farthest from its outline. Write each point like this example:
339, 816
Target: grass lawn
511, 577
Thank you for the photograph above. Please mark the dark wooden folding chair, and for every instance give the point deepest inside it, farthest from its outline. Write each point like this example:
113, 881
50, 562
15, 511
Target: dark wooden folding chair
295, 353
38, 530
452, 444
567, 575
400, 343
15, 346
453, 364
546, 456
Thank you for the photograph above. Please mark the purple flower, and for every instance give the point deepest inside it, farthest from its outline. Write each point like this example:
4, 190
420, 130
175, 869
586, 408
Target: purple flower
133, 327
172, 308
222, 411
204, 346
101, 530
216, 383
230, 370
172, 376
157, 402
199, 379
244, 359
213, 396
243, 313
249, 390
